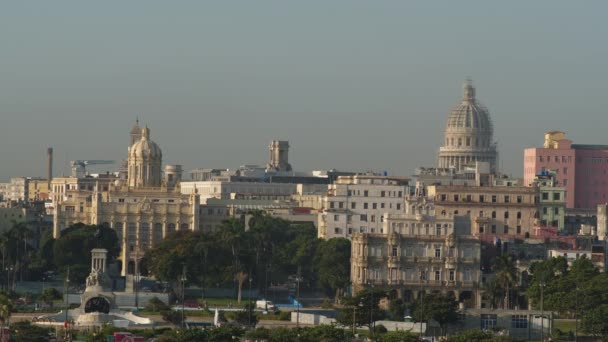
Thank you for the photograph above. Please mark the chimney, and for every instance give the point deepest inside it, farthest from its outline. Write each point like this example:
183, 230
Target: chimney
49, 165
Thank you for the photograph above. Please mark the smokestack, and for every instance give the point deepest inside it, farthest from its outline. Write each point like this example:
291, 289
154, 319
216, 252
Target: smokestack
49, 165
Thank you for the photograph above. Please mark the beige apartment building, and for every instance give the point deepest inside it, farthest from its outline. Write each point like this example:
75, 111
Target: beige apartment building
359, 204
494, 210
419, 254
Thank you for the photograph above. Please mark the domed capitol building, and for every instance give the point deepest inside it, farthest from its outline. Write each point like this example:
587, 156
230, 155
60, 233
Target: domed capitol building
468, 135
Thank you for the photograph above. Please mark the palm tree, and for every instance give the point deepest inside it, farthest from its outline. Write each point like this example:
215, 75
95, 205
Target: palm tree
6, 307
505, 272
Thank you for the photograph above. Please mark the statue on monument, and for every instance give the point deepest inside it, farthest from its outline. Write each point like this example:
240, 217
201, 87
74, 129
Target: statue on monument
93, 278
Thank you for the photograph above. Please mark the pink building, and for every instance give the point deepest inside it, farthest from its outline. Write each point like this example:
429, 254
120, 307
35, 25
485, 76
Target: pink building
581, 169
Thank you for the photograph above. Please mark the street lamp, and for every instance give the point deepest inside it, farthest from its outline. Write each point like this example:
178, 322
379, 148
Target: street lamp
250, 309
355, 315
371, 309
183, 280
8, 269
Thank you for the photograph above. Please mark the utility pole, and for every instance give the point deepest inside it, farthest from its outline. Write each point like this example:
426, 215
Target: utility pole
542, 313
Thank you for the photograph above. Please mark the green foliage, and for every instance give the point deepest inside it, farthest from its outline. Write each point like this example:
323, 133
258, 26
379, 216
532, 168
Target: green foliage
594, 321
271, 246
172, 316
50, 294
185, 335
477, 335
25, 331
247, 317
360, 306
398, 336
157, 305
6, 307
397, 309
439, 307
73, 249
505, 272
332, 262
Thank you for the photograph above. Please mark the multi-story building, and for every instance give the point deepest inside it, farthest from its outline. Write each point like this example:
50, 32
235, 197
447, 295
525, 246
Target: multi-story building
143, 209
552, 200
468, 135
602, 221
581, 169
419, 254
495, 210
359, 204
27, 189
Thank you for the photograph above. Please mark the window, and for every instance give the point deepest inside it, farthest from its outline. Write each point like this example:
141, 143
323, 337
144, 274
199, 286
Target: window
341, 205
451, 275
365, 193
519, 214
565, 171
337, 230
373, 218
545, 196
438, 230
437, 275
398, 206
121, 200
336, 218
556, 210
437, 252
519, 199
506, 229
493, 214
400, 193
507, 199
364, 205
518, 229
481, 198
493, 229
506, 214
455, 198
394, 252
382, 193
556, 196
374, 205
353, 205
493, 198
381, 205
468, 140
331, 205
545, 211
481, 213
565, 181
519, 322
363, 218
488, 321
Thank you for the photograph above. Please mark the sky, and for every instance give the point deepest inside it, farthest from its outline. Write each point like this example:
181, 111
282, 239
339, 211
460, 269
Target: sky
352, 84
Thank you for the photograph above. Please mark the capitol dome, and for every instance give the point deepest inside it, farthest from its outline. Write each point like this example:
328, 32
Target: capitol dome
145, 148
468, 134
145, 159
469, 114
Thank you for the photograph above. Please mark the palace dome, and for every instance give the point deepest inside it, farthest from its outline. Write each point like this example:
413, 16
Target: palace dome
469, 115
145, 148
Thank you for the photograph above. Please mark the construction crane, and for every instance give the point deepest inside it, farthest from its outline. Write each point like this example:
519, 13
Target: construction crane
79, 167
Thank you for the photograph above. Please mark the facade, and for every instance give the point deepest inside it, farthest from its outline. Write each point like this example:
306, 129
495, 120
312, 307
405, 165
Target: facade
143, 209
581, 169
468, 135
597, 255
552, 201
602, 221
426, 255
359, 204
493, 210
226, 190
27, 189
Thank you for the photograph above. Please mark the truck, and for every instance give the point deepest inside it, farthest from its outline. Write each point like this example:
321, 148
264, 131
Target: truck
265, 305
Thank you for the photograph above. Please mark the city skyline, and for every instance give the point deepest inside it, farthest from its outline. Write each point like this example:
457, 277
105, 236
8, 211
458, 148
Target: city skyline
357, 87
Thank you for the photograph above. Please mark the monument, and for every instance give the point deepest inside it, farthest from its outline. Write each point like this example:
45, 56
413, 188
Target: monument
98, 302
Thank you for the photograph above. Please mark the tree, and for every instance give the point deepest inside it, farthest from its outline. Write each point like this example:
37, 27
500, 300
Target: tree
332, 263
6, 308
25, 331
247, 317
506, 275
49, 295
594, 321
361, 305
73, 249
398, 336
441, 308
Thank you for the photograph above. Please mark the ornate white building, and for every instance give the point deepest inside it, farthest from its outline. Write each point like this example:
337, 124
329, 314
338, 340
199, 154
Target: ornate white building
143, 209
468, 135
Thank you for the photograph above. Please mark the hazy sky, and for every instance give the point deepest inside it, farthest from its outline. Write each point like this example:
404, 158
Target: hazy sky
351, 84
